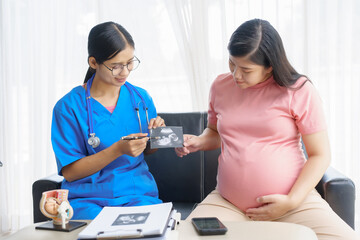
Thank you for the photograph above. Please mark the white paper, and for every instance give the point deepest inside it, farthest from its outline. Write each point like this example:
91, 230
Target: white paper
123, 222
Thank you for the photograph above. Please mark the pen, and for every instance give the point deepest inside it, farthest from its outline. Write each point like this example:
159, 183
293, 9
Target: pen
134, 138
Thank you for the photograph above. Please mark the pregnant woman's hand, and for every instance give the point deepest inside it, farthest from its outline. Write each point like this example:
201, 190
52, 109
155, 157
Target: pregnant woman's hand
274, 206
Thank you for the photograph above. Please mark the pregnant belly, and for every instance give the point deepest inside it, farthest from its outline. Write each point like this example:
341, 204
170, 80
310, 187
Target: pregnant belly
242, 184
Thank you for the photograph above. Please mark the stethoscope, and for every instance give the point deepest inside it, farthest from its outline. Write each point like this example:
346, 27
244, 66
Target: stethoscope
93, 140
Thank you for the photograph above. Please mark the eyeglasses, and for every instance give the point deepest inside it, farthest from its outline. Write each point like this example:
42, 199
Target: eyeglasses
117, 69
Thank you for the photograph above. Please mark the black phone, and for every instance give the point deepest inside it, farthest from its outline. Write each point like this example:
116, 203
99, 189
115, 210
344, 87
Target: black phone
209, 226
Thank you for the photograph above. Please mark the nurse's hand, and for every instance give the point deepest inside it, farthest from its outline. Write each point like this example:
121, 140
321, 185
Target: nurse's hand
191, 144
156, 122
134, 147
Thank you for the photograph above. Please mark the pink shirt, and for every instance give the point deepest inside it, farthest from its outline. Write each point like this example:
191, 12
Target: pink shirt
260, 129
111, 109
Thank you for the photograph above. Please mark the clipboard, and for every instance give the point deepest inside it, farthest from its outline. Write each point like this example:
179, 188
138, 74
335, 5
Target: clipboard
150, 221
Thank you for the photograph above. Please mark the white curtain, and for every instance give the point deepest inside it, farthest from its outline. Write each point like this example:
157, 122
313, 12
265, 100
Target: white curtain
182, 47
192, 22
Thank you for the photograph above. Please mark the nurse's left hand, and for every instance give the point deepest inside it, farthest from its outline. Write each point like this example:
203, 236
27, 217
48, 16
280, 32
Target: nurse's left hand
156, 122
274, 206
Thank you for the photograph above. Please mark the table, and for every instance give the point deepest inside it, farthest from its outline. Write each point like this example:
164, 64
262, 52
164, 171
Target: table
252, 230
185, 231
30, 232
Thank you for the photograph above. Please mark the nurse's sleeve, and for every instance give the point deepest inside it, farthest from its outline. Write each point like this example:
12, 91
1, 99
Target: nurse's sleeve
67, 139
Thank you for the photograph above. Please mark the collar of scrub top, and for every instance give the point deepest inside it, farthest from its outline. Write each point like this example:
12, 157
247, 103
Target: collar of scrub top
131, 89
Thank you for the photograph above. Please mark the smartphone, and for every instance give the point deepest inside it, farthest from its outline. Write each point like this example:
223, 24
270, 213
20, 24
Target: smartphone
209, 226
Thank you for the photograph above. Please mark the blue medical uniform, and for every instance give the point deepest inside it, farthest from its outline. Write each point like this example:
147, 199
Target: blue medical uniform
124, 182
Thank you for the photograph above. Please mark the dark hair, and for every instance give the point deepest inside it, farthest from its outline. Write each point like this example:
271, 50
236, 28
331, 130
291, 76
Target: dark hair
262, 44
105, 41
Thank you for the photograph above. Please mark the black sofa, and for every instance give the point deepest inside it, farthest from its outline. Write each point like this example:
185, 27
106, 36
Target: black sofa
186, 181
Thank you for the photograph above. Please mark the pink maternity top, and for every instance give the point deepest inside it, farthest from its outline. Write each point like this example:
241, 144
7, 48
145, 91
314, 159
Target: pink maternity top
260, 129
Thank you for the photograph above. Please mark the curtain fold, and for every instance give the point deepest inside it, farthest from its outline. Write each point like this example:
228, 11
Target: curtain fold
190, 26
182, 48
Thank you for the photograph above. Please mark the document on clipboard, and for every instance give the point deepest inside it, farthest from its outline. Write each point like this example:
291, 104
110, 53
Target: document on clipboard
150, 221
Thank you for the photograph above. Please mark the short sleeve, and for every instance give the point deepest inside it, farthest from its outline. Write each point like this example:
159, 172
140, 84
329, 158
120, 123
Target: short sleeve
307, 110
212, 119
67, 138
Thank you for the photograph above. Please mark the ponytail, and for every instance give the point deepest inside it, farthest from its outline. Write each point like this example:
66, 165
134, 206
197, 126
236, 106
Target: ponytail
89, 74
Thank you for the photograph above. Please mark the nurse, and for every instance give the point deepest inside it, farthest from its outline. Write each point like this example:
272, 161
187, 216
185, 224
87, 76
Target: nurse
99, 168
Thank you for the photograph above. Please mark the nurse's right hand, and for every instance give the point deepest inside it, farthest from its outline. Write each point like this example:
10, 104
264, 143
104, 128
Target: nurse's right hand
191, 144
134, 147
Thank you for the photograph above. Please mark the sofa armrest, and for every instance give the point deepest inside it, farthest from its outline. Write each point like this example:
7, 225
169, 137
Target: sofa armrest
339, 191
45, 184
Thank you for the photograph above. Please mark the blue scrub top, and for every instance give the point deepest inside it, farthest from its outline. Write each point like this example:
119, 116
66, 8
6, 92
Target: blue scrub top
124, 182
